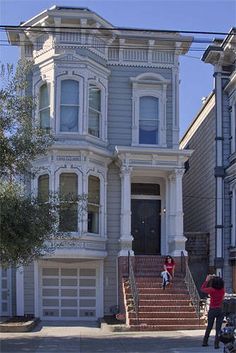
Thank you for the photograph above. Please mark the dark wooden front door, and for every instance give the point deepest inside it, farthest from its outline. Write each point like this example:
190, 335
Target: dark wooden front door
145, 226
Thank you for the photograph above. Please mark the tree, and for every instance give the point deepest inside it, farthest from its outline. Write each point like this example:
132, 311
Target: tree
26, 223
21, 139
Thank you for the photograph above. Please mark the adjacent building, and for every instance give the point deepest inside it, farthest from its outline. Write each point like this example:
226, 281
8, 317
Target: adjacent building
110, 96
209, 184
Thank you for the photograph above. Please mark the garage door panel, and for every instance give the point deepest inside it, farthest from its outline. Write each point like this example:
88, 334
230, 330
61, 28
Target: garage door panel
69, 292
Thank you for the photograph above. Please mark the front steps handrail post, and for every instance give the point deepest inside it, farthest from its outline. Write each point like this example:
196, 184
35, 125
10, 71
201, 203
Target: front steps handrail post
192, 289
133, 286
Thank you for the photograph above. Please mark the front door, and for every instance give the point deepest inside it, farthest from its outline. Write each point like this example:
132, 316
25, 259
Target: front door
5, 292
145, 226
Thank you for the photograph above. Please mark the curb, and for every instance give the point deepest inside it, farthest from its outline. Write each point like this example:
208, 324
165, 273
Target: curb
23, 327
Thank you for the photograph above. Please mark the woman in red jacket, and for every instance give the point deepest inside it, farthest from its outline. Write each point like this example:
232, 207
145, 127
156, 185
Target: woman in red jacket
216, 291
170, 265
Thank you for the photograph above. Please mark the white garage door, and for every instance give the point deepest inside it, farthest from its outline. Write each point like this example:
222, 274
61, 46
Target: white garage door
69, 293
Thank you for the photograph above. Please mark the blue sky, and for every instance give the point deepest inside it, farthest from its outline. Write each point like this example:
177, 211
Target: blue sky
194, 15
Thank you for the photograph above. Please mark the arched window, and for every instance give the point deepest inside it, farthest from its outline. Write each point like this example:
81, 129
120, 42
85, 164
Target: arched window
148, 120
44, 107
43, 188
93, 204
68, 215
69, 108
94, 110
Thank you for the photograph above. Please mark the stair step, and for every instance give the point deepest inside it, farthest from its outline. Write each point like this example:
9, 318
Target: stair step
168, 308
166, 321
164, 302
163, 296
164, 314
166, 327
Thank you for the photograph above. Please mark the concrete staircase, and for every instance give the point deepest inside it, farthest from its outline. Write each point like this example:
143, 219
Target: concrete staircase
159, 310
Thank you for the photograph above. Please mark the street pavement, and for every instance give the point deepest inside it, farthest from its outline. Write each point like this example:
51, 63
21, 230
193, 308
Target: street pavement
72, 337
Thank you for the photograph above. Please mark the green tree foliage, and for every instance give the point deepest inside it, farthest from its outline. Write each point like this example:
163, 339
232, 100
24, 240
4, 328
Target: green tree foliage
20, 139
25, 222
27, 226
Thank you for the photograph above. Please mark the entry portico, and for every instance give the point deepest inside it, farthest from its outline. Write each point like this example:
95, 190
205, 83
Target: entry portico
154, 214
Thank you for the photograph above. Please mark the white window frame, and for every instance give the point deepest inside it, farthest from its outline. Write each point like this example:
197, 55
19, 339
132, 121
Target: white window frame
37, 93
153, 85
80, 191
103, 120
101, 205
58, 105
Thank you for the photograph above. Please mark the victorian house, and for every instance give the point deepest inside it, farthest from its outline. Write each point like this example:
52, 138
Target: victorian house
209, 184
110, 96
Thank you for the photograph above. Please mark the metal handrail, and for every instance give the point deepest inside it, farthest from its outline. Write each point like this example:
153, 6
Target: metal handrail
133, 286
192, 289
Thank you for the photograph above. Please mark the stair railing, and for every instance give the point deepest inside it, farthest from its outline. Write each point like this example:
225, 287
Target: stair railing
192, 289
133, 286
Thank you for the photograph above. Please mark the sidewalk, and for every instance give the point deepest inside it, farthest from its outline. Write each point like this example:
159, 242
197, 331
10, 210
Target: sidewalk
87, 338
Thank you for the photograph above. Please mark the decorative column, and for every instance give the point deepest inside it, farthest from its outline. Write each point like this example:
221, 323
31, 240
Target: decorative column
125, 218
20, 291
177, 239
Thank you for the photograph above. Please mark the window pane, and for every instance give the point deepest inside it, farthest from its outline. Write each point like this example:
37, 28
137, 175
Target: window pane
93, 190
43, 188
45, 119
68, 185
148, 120
70, 92
44, 97
94, 97
68, 215
69, 118
93, 123
148, 108
93, 204
145, 189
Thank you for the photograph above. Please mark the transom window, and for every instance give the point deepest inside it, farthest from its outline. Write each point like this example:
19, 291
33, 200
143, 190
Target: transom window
93, 204
44, 108
69, 108
68, 215
148, 120
94, 110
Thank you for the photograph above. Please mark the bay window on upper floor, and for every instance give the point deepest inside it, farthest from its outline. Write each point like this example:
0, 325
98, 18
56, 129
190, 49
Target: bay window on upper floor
69, 106
94, 115
44, 107
148, 120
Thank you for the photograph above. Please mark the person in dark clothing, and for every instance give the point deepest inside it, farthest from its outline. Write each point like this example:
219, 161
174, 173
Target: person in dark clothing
214, 287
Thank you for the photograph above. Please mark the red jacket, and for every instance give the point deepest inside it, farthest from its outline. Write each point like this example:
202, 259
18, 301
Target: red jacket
216, 295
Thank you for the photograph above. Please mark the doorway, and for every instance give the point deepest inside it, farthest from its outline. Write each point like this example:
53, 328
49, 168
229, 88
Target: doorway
145, 226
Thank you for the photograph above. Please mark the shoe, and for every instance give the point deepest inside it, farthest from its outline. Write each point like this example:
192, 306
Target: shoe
216, 346
205, 344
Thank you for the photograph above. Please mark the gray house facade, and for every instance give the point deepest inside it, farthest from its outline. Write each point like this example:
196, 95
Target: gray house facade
110, 97
209, 184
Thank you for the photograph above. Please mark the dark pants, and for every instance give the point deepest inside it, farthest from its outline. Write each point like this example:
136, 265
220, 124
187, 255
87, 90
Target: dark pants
214, 314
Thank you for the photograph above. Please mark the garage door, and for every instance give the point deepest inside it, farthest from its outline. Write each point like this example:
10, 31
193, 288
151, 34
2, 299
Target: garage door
69, 293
